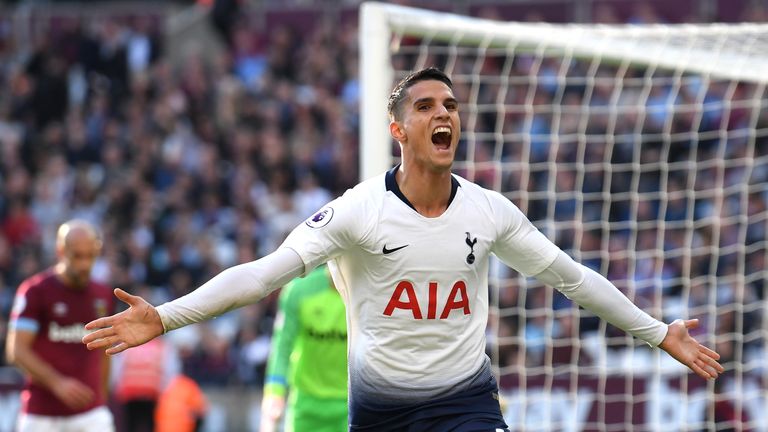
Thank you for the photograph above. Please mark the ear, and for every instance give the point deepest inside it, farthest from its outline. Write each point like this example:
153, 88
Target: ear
397, 131
60, 251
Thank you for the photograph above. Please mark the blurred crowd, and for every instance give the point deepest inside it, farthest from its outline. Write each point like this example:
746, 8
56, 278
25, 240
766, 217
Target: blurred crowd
186, 168
193, 166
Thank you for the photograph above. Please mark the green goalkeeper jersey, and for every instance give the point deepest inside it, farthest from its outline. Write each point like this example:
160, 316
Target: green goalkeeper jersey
309, 345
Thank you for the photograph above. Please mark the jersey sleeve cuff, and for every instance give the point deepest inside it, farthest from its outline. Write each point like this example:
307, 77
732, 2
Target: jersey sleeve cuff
163, 318
275, 386
308, 267
25, 324
658, 337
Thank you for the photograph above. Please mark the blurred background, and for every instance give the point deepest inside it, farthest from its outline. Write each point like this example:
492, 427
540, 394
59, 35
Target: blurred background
196, 135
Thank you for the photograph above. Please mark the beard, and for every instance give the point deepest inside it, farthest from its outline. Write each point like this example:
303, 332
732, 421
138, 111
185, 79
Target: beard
78, 279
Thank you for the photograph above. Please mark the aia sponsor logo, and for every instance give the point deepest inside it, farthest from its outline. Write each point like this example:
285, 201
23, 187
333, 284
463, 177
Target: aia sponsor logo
404, 297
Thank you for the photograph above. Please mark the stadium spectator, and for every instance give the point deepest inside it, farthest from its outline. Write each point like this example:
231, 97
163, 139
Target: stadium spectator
140, 135
182, 406
308, 361
140, 378
67, 386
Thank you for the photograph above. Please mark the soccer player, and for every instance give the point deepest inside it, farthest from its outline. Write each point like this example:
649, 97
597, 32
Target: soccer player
66, 384
409, 252
309, 354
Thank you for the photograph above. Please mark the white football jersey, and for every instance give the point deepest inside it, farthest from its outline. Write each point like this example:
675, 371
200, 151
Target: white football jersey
416, 288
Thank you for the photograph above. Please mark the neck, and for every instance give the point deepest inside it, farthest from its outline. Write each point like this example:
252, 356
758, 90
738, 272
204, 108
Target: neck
428, 192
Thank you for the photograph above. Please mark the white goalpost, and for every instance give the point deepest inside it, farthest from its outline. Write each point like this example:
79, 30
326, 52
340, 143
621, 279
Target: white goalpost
642, 151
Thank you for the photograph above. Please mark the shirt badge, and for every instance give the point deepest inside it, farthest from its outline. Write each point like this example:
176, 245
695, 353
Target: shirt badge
100, 307
59, 309
321, 218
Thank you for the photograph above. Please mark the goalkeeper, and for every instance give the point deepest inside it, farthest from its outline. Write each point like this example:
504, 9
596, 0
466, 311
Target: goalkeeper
309, 355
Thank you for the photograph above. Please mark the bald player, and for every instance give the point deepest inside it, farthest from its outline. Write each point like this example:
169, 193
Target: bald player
66, 384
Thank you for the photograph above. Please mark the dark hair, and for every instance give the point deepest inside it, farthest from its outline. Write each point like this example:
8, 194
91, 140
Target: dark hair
399, 92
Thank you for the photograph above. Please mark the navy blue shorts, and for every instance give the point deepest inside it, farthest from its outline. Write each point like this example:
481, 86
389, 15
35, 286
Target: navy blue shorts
466, 412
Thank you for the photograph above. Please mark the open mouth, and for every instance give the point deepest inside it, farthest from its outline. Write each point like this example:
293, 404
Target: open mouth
441, 137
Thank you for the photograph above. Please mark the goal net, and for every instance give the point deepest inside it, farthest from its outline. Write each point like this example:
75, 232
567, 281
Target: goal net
642, 151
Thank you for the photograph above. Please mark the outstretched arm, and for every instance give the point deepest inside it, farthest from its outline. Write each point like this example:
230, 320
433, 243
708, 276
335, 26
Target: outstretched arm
595, 293
233, 288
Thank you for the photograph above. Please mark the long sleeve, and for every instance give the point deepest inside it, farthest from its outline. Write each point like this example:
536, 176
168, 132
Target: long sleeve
595, 293
232, 288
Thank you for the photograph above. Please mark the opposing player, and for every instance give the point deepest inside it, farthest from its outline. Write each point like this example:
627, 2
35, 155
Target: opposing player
66, 383
308, 360
409, 253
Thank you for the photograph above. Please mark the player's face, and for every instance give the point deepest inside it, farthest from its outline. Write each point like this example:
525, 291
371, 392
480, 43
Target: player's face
77, 259
430, 125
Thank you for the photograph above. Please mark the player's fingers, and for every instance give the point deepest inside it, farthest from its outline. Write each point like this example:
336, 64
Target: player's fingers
97, 344
104, 342
712, 362
84, 394
98, 334
691, 323
708, 369
126, 297
108, 341
699, 371
76, 402
76, 394
117, 348
81, 399
102, 322
709, 352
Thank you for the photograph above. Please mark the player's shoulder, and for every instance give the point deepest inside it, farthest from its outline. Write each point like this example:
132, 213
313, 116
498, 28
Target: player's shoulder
40, 281
470, 187
370, 189
356, 202
479, 194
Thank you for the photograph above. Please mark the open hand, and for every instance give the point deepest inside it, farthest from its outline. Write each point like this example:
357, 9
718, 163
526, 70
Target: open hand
685, 349
72, 392
134, 326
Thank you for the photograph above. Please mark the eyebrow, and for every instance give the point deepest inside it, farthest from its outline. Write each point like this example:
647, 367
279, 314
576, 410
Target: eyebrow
431, 99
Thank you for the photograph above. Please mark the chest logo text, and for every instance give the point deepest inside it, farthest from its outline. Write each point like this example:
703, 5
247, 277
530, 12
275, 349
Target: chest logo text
404, 297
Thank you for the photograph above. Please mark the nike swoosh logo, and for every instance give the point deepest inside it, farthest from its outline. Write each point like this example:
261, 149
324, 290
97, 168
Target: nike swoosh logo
389, 251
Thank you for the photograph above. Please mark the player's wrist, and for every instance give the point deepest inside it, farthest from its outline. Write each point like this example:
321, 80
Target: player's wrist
275, 390
160, 328
163, 319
